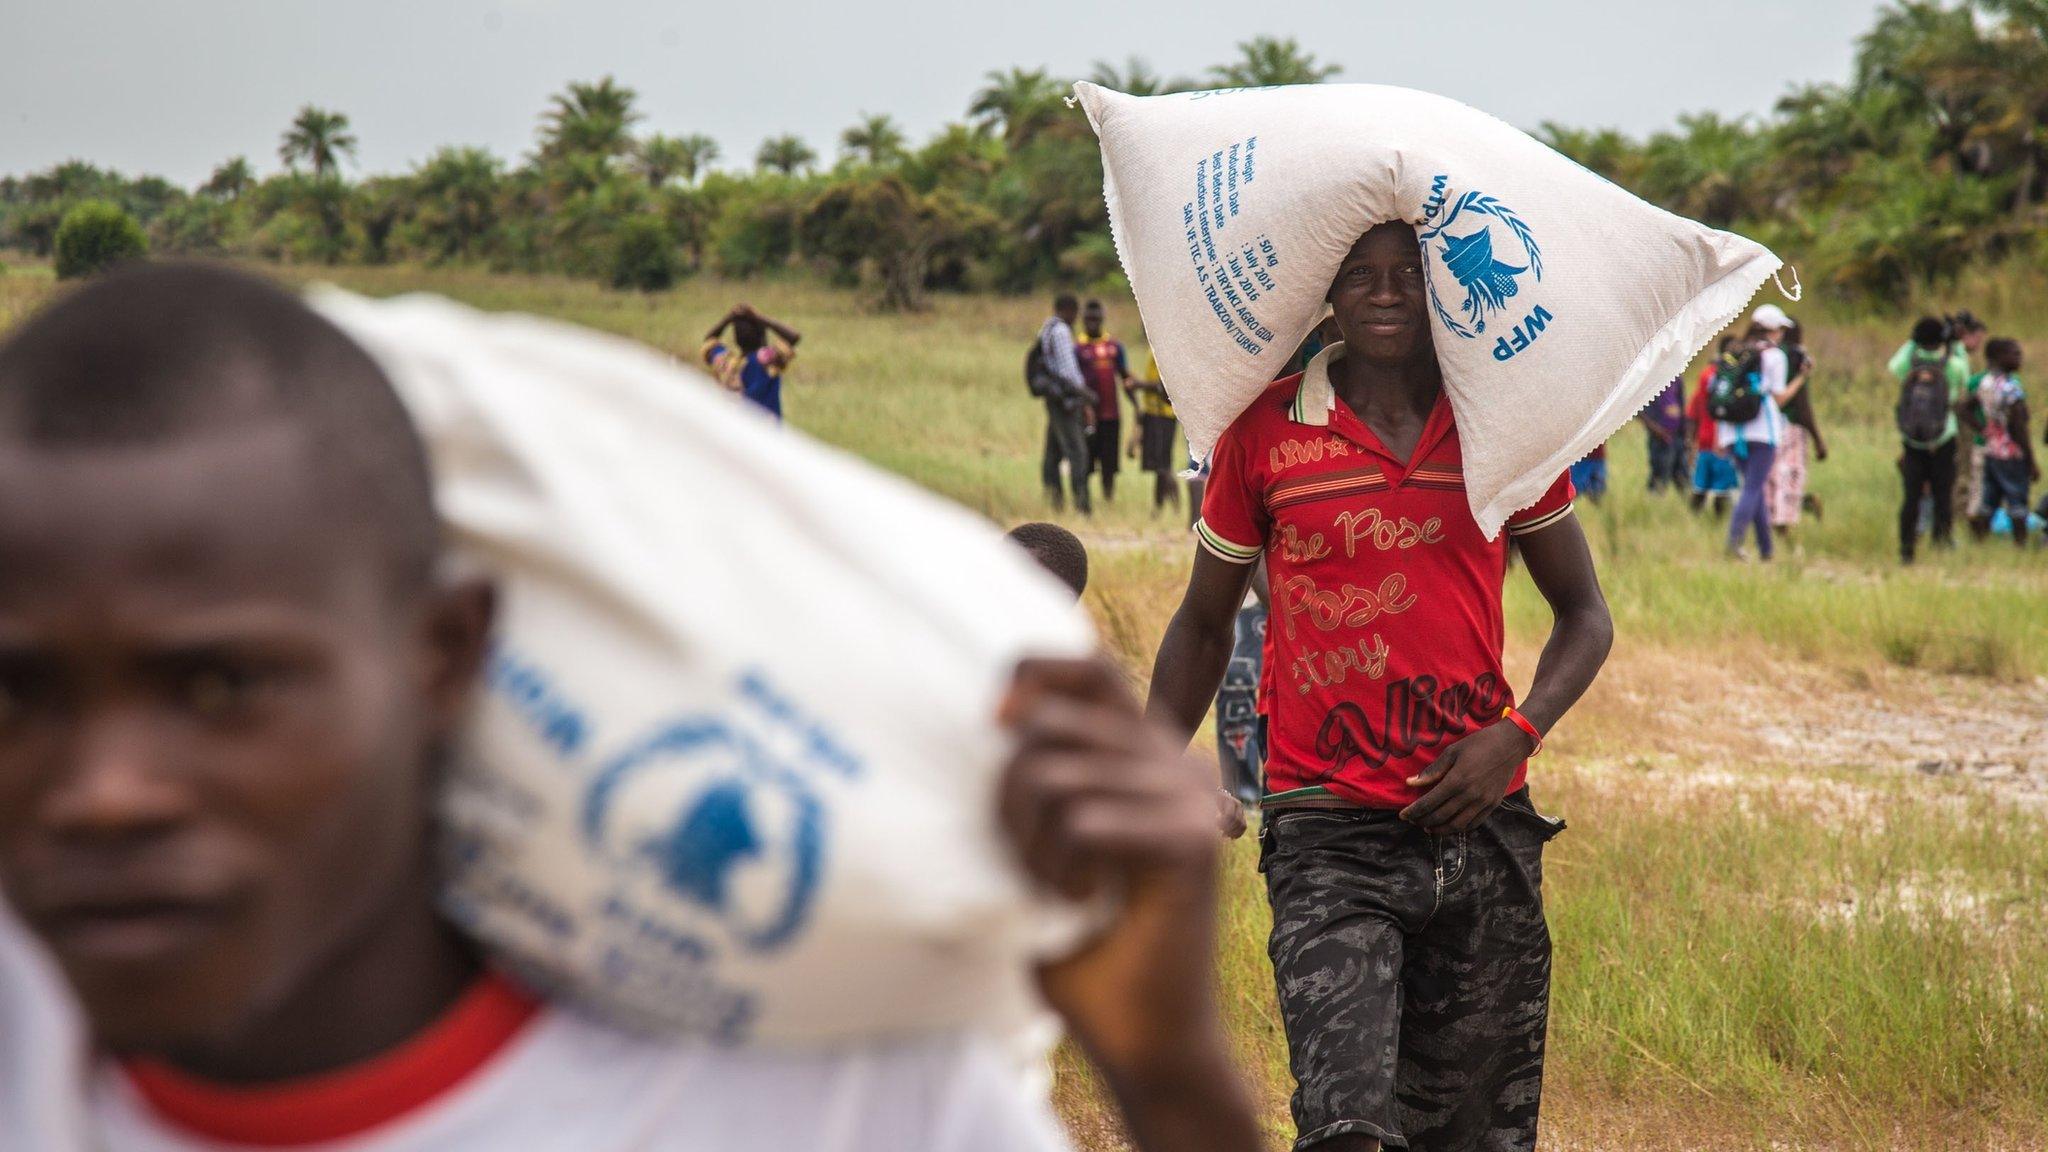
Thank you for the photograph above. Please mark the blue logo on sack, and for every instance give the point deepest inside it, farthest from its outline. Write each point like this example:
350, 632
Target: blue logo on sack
1486, 260
718, 822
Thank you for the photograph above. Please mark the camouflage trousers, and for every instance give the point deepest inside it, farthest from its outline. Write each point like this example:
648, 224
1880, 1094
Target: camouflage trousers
1413, 974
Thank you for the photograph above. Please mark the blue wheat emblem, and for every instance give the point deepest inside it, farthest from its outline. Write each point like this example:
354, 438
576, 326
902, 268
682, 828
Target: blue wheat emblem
1471, 259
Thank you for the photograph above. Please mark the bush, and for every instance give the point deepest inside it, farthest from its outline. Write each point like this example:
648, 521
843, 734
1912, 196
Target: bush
644, 255
756, 230
195, 227
96, 236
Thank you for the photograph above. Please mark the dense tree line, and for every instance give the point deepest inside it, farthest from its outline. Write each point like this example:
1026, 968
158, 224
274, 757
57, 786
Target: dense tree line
1009, 198
1934, 154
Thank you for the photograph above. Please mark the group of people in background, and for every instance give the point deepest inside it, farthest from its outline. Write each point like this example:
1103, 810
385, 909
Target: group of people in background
1964, 446
1740, 440
1084, 379
1743, 437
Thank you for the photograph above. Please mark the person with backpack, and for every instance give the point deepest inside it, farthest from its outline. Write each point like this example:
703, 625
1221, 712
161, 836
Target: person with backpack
1052, 371
1750, 383
1933, 375
1714, 478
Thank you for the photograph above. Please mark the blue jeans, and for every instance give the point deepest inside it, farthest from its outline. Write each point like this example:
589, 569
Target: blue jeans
1749, 507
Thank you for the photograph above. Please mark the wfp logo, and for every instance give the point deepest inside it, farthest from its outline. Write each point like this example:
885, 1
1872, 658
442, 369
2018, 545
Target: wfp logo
1486, 250
701, 813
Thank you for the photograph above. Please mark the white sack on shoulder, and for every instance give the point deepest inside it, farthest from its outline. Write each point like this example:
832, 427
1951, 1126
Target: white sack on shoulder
1561, 304
734, 772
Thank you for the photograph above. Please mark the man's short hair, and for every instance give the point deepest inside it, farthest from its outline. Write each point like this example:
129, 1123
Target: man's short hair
1057, 550
1065, 301
2001, 351
1930, 332
153, 353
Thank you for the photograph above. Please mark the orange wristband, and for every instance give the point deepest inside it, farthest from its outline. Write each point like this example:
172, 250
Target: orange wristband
1520, 721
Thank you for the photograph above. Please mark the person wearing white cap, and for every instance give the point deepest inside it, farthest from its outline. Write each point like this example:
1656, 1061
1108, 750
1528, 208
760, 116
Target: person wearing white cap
1755, 444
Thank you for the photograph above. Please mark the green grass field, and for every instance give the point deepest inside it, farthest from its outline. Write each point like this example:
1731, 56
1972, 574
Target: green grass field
1771, 932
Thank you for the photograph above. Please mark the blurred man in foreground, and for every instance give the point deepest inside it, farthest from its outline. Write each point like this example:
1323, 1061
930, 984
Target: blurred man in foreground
232, 662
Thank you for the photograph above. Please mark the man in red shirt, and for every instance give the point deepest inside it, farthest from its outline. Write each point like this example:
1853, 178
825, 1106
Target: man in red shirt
1105, 370
1402, 855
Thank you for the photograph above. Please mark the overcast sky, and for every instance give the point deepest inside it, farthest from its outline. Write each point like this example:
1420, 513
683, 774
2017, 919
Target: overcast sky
175, 87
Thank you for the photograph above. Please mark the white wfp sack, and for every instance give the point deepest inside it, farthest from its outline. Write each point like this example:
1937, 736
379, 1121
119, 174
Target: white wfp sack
734, 772
42, 1049
1561, 304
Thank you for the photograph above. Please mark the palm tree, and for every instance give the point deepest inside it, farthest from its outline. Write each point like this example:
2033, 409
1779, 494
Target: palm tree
875, 140
699, 151
660, 159
1709, 169
1601, 150
1137, 79
320, 137
785, 154
1267, 60
1018, 102
2030, 16
589, 120
229, 180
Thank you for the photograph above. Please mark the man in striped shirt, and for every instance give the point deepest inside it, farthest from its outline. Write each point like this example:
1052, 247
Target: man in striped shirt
1401, 851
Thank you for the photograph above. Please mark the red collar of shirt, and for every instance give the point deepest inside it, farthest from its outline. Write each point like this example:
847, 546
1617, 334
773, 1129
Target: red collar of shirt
350, 1101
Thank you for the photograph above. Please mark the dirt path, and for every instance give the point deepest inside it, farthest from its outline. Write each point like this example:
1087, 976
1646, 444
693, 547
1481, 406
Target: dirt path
1718, 712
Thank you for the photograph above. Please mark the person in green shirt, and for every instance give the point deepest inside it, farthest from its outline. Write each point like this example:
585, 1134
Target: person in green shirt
1929, 466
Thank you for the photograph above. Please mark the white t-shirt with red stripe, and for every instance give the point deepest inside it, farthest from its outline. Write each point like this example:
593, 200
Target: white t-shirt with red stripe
500, 1072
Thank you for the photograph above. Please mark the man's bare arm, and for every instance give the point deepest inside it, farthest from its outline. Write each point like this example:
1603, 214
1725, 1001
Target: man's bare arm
1467, 781
1581, 629
789, 335
731, 314
1097, 798
1196, 649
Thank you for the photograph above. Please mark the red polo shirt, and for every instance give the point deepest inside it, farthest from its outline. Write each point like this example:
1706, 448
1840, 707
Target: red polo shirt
1384, 644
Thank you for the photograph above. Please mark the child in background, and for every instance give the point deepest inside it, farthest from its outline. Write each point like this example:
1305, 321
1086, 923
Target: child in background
1714, 476
2009, 466
1057, 550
